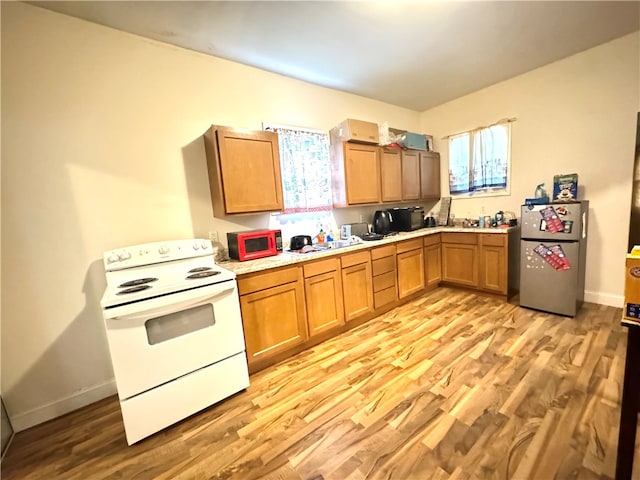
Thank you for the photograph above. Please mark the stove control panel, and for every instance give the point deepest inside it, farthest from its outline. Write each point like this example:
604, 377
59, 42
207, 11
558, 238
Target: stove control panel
157, 252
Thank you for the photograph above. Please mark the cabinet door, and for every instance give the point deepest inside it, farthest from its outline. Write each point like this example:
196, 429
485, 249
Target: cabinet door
324, 302
493, 269
273, 320
432, 265
250, 171
460, 264
410, 272
391, 174
357, 290
362, 172
410, 175
429, 175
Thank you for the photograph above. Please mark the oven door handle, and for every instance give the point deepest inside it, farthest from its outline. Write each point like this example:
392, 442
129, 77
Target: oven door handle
175, 306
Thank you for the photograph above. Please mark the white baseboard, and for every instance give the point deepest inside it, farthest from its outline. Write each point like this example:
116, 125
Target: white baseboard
49, 411
604, 299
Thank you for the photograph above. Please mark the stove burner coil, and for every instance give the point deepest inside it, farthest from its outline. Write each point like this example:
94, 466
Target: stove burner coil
137, 288
199, 269
137, 281
202, 274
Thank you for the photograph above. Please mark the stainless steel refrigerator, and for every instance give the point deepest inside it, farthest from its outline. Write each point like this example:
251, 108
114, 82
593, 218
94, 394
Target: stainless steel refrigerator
553, 255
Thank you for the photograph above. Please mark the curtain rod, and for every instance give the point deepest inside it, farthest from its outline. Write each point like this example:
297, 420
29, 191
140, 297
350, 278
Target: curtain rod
504, 120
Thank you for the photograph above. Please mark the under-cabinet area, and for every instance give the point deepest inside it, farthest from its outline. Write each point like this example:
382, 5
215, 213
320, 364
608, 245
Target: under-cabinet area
290, 303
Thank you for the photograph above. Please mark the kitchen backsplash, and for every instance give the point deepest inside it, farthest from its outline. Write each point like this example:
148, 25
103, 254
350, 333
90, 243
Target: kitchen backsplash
300, 223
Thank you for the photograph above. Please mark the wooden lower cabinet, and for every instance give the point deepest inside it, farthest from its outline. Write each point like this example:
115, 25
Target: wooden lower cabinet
273, 313
410, 260
493, 263
357, 285
432, 260
288, 309
460, 259
476, 260
323, 295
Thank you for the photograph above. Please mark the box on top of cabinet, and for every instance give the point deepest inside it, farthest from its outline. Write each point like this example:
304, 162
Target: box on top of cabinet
359, 131
414, 141
632, 286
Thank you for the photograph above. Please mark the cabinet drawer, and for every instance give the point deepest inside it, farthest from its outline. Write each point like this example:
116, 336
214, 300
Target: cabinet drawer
312, 269
493, 239
380, 252
386, 280
261, 281
355, 258
384, 297
384, 265
461, 238
402, 247
431, 240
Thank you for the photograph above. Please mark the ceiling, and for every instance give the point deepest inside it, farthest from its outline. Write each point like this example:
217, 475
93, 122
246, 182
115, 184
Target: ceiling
412, 54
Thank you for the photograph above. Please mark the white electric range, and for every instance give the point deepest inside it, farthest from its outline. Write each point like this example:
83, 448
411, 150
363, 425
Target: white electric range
173, 323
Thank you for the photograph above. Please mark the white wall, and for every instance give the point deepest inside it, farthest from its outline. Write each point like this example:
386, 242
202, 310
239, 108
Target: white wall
102, 148
577, 115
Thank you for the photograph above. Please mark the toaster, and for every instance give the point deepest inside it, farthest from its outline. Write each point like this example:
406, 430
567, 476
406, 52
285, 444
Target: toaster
299, 241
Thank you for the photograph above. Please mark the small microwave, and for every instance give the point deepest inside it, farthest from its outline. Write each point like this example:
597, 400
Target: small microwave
252, 244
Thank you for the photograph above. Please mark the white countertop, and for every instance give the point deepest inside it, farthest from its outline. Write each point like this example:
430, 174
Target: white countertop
286, 258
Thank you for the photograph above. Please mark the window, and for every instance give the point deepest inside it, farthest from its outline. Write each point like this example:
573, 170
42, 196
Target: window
306, 182
480, 161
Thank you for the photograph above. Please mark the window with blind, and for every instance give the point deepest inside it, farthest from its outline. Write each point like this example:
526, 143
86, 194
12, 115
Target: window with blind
480, 161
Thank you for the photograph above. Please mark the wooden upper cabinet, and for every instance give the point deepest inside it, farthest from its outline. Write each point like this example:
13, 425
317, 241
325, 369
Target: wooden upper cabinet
391, 174
355, 172
410, 175
244, 171
429, 175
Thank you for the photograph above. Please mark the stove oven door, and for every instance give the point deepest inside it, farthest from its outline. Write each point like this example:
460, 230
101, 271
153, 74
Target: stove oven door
158, 340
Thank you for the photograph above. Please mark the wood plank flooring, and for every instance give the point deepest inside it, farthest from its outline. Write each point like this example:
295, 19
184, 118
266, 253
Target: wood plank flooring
451, 386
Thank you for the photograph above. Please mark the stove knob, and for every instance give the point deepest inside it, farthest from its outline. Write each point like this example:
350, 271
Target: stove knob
113, 258
196, 246
124, 256
205, 245
163, 250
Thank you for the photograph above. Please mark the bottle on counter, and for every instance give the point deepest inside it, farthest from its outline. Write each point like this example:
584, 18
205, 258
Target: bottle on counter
320, 236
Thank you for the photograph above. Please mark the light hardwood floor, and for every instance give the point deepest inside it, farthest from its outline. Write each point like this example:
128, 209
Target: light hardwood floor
451, 386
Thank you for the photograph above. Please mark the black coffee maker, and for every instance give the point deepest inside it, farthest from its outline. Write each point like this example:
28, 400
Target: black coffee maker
382, 222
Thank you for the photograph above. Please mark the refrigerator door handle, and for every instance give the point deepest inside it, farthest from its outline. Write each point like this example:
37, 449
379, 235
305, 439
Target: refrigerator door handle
584, 224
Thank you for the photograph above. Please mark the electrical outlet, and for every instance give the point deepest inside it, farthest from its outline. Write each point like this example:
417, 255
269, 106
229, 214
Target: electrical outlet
361, 218
213, 236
